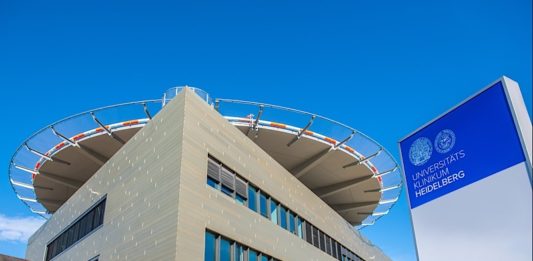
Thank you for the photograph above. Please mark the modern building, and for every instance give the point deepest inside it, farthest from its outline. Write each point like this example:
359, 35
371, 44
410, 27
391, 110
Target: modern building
189, 178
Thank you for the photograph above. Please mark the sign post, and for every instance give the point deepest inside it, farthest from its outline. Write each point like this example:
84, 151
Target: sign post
468, 179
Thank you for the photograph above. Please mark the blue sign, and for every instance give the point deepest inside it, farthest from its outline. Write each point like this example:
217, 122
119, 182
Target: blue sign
469, 143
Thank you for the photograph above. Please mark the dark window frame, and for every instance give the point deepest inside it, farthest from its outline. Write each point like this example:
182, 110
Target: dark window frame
65, 239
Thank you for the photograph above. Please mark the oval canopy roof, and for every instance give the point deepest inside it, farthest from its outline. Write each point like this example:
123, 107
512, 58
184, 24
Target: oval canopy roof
352, 173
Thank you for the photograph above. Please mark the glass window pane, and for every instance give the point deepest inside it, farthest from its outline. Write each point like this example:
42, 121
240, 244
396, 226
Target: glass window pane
83, 227
61, 242
328, 245
90, 216
68, 238
292, 226
308, 233
71, 239
76, 231
252, 255
50, 250
225, 250
264, 258
252, 198
283, 217
322, 240
240, 199
315, 237
209, 254
81, 232
227, 191
263, 204
239, 252
213, 183
300, 229
274, 211
96, 219
102, 206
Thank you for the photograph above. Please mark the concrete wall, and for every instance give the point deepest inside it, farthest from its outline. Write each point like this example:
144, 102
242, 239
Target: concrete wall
159, 206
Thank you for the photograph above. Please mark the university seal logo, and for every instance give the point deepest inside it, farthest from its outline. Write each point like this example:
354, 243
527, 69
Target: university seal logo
420, 151
444, 141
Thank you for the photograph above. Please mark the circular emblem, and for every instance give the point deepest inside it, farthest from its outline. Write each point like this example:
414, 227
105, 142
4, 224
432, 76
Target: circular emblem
444, 141
420, 151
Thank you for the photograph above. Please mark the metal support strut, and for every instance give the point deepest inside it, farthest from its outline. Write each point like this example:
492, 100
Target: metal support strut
93, 155
302, 131
111, 134
357, 162
49, 158
145, 107
345, 140
256, 121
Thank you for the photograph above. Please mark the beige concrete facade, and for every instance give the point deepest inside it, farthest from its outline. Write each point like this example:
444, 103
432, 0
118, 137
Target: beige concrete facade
159, 206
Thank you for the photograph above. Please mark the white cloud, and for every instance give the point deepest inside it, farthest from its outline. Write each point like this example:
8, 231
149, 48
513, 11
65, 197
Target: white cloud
18, 229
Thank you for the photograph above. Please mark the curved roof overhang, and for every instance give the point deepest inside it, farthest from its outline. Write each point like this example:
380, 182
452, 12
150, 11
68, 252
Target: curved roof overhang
349, 171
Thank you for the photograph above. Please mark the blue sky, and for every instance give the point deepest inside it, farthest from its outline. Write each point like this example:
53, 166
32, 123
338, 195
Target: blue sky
382, 67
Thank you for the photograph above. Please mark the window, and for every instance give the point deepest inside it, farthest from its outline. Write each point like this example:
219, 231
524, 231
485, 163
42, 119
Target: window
328, 245
334, 249
227, 178
88, 222
263, 204
252, 198
241, 191
252, 255
90, 219
240, 199
283, 216
96, 258
300, 229
213, 183
292, 225
213, 173
227, 190
315, 237
209, 247
274, 211
322, 239
76, 228
308, 233
220, 248
222, 178
225, 250
239, 253
69, 235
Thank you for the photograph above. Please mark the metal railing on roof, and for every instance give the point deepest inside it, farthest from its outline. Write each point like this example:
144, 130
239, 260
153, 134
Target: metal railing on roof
34, 149
25, 162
